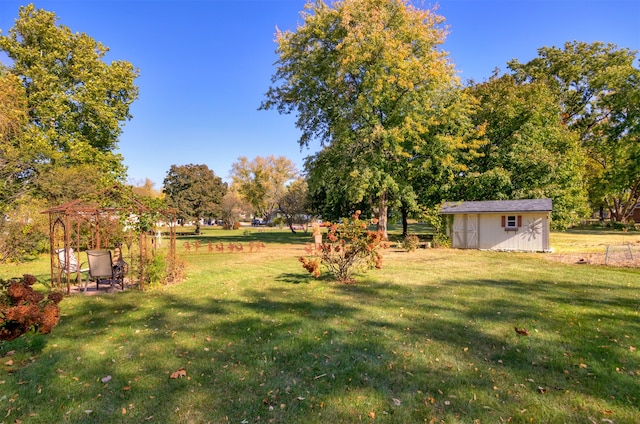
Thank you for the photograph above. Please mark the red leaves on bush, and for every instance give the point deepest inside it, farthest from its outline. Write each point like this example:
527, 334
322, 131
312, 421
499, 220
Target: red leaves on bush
22, 309
349, 248
311, 265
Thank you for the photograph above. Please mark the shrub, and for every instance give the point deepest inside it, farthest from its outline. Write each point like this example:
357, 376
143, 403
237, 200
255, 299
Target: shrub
157, 270
410, 242
161, 271
349, 247
22, 309
23, 232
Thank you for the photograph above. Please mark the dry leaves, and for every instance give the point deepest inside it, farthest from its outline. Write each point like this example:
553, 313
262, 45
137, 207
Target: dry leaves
179, 374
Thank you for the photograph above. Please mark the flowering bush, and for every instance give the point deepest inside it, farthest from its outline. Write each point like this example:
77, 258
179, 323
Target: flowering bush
22, 309
349, 247
411, 242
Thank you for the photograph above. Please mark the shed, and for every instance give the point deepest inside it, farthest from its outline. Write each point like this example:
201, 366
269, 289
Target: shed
518, 225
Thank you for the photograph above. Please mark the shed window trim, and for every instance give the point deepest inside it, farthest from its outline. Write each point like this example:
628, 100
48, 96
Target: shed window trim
511, 222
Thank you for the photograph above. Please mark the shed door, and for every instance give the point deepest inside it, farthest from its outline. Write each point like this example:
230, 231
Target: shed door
465, 232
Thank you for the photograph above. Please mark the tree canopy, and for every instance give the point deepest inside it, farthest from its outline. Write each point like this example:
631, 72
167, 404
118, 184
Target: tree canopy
597, 86
527, 151
13, 117
194, 191
262, 181
76, 102
294, 203
364, 78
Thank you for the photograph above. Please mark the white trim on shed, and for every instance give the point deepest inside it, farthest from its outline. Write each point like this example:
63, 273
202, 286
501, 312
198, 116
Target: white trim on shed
518, 225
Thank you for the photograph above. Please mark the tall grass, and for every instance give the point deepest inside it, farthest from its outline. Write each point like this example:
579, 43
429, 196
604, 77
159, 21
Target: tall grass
429, 338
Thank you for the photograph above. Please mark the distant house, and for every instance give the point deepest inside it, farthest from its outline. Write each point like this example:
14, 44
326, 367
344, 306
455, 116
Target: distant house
636, 214
519, 225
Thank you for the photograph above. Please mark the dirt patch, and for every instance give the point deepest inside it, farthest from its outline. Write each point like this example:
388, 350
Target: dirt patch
618, 256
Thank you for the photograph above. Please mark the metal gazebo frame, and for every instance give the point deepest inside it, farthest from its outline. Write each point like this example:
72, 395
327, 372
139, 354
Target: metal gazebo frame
72, 217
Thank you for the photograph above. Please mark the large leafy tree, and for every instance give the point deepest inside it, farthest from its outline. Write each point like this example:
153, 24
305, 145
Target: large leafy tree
76, 103
527, 151
13, 117
598, 88
262, 181
194, 191
365, 78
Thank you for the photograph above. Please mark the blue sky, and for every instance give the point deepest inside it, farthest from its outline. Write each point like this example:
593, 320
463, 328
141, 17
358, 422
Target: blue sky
205, 65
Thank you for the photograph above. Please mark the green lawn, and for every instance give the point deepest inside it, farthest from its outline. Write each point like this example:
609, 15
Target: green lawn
429, 338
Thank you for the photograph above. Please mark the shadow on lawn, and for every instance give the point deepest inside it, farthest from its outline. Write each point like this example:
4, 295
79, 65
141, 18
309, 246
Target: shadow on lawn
409, 352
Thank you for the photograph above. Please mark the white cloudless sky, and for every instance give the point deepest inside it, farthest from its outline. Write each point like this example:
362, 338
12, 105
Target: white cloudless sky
206, 64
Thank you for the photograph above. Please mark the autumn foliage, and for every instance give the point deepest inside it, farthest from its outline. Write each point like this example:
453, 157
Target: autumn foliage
22, 309
349, 247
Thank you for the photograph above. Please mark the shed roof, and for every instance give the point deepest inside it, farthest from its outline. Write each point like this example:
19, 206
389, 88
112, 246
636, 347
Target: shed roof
489, 206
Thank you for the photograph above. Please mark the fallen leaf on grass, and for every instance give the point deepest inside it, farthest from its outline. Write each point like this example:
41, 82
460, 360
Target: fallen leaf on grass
179, 374
396, 402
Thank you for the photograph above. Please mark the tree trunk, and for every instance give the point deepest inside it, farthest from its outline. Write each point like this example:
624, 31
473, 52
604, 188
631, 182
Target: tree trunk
382, 216
405, 223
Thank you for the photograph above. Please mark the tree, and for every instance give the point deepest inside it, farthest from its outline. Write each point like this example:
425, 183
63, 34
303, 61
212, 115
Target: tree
334, 192
527, 151
146, 189
598, 88
294, 203
232, 207
13, 117
76, 103
193, 190
365, 78
261, 182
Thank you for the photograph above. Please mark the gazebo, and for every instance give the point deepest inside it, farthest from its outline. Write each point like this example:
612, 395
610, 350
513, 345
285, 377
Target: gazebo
110, 219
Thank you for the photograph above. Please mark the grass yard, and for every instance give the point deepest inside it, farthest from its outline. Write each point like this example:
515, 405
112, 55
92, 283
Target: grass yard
429, 338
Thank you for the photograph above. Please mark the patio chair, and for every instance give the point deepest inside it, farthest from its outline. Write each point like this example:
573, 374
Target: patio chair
101, 269
71, 267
